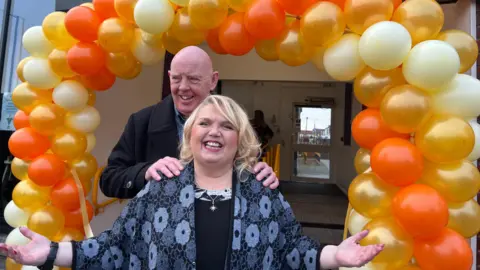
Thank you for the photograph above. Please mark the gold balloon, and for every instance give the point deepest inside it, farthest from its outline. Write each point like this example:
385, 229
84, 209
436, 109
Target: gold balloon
370, 196
445, 138
92, 98
172, 44
267, 49
362, 160
68, 144
322, 24
54, 29
151, 40
25, 97
464, 218
370, 86
59, 65
68, 234
87, 186
47, 118
361, 14
292, 49
20, 68
147, 54
20, 169
184, 31
85, 166
465, 45
47, 221
356, 222
121, 63
207, 14
12, 265
91, 142
317, 58
180, 3
398, 248
239, 5
30, 197
133, 73
456, 181
115, 35
422, 18
125, 9
342, 60
405, 108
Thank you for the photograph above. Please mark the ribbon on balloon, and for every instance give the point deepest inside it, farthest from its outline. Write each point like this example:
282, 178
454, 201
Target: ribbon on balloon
83, 206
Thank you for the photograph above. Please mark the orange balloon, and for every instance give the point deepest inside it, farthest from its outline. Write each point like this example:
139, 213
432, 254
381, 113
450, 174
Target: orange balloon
105, 8
46, 170
21, 120
396, 3
86, 58
265, 19
65, 195
47, 118
100, 81
82, 23
296, 7
421, 211
448, 251
234, 37
213, 41
73, 218
27, 144
368, 129
397, 162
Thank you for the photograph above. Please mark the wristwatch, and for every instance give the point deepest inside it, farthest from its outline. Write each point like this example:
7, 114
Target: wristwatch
48, 265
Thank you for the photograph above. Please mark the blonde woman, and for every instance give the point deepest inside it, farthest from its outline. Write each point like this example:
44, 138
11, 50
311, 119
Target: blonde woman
214, 216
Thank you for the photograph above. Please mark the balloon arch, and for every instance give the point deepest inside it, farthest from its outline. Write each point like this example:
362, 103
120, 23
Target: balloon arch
416, 182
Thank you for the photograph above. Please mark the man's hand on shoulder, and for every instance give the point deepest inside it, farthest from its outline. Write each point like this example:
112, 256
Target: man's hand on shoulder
265, 171
169, 166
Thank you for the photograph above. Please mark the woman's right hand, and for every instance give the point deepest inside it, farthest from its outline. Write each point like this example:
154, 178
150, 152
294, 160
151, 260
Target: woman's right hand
35, 253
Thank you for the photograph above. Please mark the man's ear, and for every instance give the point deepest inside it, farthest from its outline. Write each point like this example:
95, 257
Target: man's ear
214, 81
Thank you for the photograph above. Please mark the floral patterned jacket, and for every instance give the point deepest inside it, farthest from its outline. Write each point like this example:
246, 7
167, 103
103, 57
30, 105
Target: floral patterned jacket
156, 230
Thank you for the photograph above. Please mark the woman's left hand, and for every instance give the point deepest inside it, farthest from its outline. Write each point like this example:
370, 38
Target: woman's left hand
351, 254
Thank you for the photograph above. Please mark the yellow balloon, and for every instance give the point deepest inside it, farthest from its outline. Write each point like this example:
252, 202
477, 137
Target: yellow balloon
180, 3
59, 65
12, 265
475, 154
89, 5
19, 169
85, 121
370, 196
171, 44
133, 73
25, 97
68, 234
86, 166
207, 14
361, 14
125, 9
47, 221
239, 5
370, 86
317, 58
92, 98
456, 181
465, 45
68, 144
342, 60
91, 142
54, 29
35, 42
405, 108
38, 73
115, 35
121, 63
267, 49
445, 138
145, 53
30, 197
322, 24
47, 118
184, 31
362, 160
423, 18
356, 222
292, 49
154, 16
398, 244
464, 218
20, 67
71, 95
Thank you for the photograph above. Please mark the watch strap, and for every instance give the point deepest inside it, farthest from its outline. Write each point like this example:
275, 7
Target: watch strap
52, 255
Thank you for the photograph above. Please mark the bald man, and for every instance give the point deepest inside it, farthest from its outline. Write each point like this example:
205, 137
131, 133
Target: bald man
151, 138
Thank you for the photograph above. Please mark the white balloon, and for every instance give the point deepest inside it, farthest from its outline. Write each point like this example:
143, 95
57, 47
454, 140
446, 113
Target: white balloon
14, 216
85, 121
15, 237
70, 95
29, 267
356, 222
35, 42
431, 64
385, 45
39, 74
342, 60
154, 16
461, 97
91, 142
146, 54
475, 154
317, 58
366, 267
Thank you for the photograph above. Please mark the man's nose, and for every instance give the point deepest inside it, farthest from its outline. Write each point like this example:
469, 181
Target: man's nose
184, 84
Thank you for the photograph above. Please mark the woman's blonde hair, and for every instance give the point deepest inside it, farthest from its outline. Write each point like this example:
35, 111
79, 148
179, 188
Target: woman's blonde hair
248, 145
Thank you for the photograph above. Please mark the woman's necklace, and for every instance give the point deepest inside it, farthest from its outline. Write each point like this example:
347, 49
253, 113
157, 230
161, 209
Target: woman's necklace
203, 193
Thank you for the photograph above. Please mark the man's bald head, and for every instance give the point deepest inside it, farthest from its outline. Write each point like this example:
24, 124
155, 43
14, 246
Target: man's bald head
192, 78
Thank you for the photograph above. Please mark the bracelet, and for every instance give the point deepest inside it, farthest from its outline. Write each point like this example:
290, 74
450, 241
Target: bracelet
48, 265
